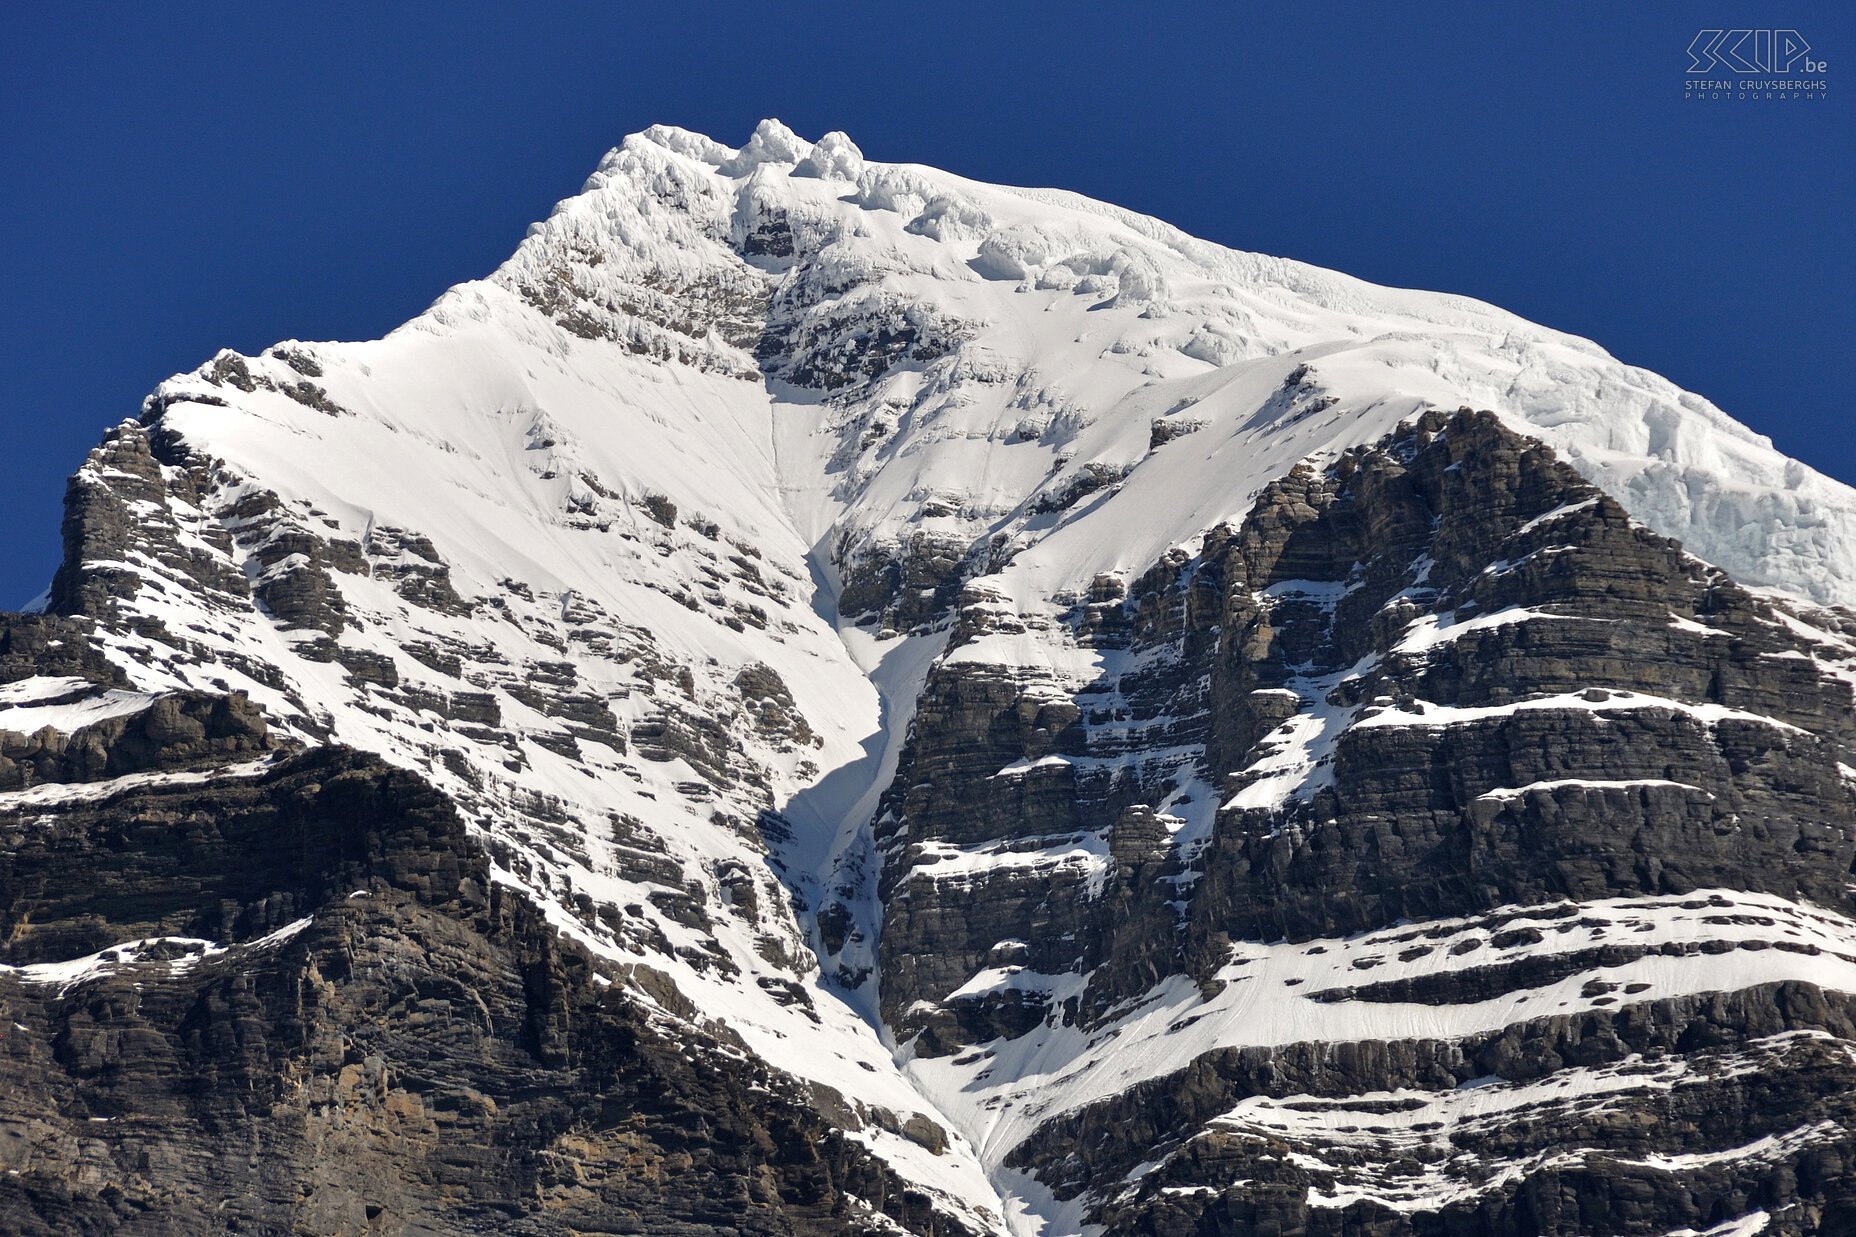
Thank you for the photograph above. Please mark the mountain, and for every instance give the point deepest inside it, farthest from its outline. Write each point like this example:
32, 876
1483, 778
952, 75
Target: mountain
826, 697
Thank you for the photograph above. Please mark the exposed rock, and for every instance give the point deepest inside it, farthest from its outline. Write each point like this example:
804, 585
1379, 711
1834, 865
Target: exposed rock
414, 566
410, 1045
771, 706
55, 646
124, 508
185, 728
293, 581
1445, 675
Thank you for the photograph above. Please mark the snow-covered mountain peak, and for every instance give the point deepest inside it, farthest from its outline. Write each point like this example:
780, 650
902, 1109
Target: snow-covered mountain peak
783, 550
908, 310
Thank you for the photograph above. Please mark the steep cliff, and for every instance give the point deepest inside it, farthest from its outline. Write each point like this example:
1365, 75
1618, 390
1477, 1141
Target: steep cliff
1435, 850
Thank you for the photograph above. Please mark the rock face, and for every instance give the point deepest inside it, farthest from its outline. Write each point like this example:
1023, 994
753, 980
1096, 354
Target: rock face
1510, 759
824, 697
292, 998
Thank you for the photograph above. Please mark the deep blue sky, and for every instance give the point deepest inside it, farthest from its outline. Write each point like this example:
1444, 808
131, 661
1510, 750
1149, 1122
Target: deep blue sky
180, 177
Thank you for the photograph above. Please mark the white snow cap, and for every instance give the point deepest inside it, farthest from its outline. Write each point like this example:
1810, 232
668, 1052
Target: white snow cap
835, 157
772, 142
1071, 324
683, 142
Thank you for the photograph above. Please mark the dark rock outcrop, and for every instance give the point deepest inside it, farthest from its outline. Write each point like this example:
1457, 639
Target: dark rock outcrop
183, 729
123, 515
54, 646
313, 966
1439, 676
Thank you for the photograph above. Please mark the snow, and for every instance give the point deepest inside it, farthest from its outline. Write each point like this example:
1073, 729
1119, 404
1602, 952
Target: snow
42, 688
23, 713
834, 157
1294, 760
1605, 701
1401, 1149
942, 861
772, 142
1518, 792
1273, 996
1010, 979
1431, 630
179, 954
1290, 758
1692, 627
1559, 512
1749, 1225
527, 441
1019, 768
58, 794
1773, 1146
